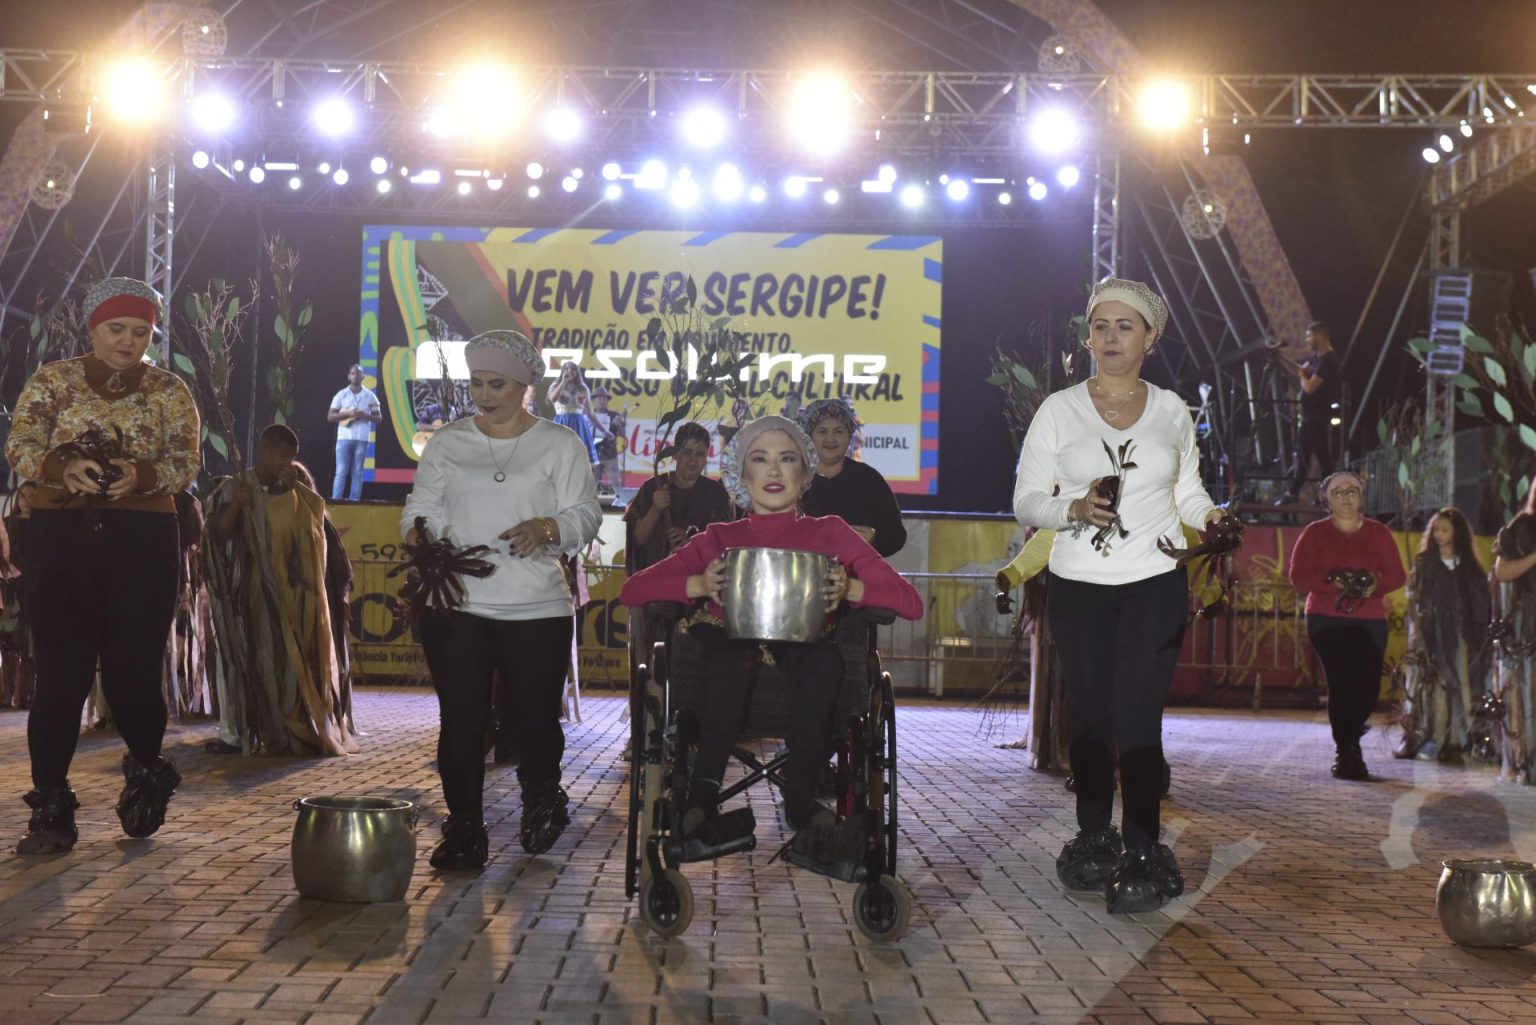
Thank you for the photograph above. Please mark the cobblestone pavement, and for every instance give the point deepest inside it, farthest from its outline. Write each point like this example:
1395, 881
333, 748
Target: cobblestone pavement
1309, 900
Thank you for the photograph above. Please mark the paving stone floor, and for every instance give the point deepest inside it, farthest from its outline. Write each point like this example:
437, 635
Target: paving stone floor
1309, 900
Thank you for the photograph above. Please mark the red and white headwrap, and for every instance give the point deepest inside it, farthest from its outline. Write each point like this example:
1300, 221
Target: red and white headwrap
112, 298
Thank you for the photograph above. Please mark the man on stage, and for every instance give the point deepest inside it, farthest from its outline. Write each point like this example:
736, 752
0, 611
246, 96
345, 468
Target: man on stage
354, 411
280, 689
1318, 375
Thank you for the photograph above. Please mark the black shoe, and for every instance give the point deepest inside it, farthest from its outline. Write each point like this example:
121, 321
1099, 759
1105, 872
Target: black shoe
1087, 860
465, 845
545, 816
51, 829
141, 805
1350, 765
707, 836
1143, 881
831, 848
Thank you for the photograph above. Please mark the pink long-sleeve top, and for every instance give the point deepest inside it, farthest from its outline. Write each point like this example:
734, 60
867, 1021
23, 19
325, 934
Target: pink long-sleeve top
884, 588
1323, 548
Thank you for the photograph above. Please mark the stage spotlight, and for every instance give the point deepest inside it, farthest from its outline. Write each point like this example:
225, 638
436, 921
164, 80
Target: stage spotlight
258, 174
1446, 142
1005, 198
383, 185
465, 188
958, 189
334, 116
1431, 155
1053, 131
563, 124
341, 177
325, 167
611, 171
295, 183
831, 197
200, 159
685, 193
794, 186
535, 171
757, 193
1068, 176
819, 116
431, 176
569, 183
653, 175
703, 127
728, 185
533, 192
578, 173
612, 191
1465, 128
1164, 105
494, 184
886, 174
912, 196
378, 165
484, 101
133, 91
1038, 191
213, 113
238, 166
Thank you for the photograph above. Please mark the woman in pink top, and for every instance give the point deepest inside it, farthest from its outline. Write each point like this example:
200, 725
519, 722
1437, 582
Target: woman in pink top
1345, 564
768, 466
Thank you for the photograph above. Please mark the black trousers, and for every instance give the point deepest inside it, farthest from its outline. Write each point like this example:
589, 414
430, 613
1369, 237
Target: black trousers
98, 586
1314, 439
1118, 645
464, 653
1351, 651
813, 671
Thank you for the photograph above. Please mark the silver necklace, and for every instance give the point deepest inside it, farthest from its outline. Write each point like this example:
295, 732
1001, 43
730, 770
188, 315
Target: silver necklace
501, 470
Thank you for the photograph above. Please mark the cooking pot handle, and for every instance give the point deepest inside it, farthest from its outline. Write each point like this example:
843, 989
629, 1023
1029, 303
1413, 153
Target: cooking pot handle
298, 804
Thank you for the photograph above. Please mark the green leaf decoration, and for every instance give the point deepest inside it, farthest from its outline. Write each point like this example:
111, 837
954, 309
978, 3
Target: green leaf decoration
193, 306
692, 293
1022, 374
183, 363
280, 325
1528, 361
203, 434
217, 441
1381, 432
1465, 381
996, 379
1413, 449
234, 307
1502, 407
1471, 406
1420, 344
306, 314
278, 417
1402, 475
1474, 342
1528, 435
1495, 372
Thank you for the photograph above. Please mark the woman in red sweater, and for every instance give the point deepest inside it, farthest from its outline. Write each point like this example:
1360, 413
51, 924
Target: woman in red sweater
767, 467
1345, 564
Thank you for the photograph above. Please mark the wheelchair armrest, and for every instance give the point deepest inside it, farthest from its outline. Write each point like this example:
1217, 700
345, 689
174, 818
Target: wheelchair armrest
870, 617
667, 609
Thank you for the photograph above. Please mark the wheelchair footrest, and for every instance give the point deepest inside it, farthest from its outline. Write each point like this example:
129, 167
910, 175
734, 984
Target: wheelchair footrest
834, 849
716, 837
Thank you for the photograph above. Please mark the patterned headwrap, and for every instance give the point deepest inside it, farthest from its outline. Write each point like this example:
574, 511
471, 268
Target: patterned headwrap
1134, 294
111, 298
821, 409
507, 353
732, 459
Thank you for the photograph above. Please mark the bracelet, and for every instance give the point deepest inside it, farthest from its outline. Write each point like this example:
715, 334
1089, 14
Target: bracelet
549, 531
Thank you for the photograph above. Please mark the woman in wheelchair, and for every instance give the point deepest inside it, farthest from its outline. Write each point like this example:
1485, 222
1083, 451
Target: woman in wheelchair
767, 467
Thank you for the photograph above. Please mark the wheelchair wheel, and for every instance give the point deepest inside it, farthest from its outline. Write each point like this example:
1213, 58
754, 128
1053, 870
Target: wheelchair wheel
882, 908
646, 772
666, 903
880, 765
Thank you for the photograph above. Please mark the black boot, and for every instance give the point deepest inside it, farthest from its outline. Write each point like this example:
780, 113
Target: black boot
141, 805
465, 845
1088, 858
706, 835
1349, 764
1143, 880
51, 829
545, 815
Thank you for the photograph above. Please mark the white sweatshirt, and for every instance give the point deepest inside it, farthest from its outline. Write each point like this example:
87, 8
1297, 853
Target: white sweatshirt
547, 474
1063, 453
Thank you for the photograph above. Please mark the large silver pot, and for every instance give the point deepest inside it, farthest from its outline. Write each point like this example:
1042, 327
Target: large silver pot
360, 850
775, 594
1488, 902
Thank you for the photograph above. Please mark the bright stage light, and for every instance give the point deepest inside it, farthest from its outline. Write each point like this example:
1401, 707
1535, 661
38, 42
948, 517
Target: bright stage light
1164, 105
334, 116
794, 186
280, 165
465, 188
703, 127
431, 176
378, 165
819, 117
563, 124
886, 174
213, 113
481, 100
325, 167
1005, 198
238, 165
757, 193
533, 192
611, 171
535, 171
1446, 142
578, 173
653, 175
383, 185
958, 189
912, 196
1068, 176
133, 91
295, 183
685, 193
831, 197
1038, 191
200, 159
1431, 155
494, 184
341, 177
728, 185
258, 175
1465, 128
1054, 131
612, 191
569, 183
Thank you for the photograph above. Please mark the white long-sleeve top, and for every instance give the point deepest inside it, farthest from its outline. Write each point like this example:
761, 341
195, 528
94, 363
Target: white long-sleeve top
1063, 453
547, 474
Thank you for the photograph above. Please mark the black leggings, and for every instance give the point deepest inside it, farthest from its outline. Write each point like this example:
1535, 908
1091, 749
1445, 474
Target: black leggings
1118, 645
814, 671
1313, 439
1351, 651
464, 652
98, 585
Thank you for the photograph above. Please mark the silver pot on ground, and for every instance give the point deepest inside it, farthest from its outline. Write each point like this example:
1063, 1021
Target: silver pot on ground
358, 850
775, 594
1488, 902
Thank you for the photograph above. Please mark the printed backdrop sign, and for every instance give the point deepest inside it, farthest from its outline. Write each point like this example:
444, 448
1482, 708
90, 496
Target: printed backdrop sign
823, 314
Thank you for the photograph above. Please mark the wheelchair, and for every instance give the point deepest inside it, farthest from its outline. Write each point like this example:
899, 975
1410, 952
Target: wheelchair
863, 781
